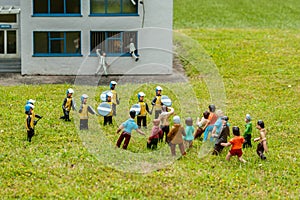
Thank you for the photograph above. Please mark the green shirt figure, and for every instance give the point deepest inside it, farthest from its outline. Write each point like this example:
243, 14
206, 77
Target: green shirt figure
248, 132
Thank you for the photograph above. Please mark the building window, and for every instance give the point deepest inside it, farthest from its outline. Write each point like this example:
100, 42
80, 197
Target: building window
113, 7
8, 40
56, 7
8, 18
2, 42
56, 44
113, 43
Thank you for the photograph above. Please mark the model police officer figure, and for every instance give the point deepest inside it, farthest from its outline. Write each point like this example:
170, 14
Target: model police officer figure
68, 103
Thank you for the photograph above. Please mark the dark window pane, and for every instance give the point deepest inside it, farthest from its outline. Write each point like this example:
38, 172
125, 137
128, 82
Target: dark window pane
57, 46
1, 42
40, 42
8, 18
113, 34
11, 42
73, 6
97, 41
57, 6
113, 46
54, 35
73, 43
40, 6
114, 6
60, 42
97, 6
128, 7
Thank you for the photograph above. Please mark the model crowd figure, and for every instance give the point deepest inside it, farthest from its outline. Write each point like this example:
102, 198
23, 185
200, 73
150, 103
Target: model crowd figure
212, 118
222, 137
214, 124
175, 136
201, 124
142, 116
155, 133
84, 111
156, 102
108, 118
115, 99
102, 62
189, 131
128, 126
164, 122
236, 144
262, 145
133, 50
247, 132
218, 125
68, 104
30, 119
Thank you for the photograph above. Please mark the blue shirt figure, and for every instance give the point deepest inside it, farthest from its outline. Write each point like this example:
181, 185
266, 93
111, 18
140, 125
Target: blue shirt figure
128, 126
189, 131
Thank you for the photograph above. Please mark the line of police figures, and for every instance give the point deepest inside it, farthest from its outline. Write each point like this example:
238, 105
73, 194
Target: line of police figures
213, 125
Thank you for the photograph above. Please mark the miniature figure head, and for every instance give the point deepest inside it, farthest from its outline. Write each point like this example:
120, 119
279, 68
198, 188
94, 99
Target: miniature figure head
212, 108
248, 118
219, 113
141, 96
206, 115
132, 113
176, 119
189, 121
83, 98
30, 101
108, 96
112, 85
236, 131
28, 108
225, 120
158, 90
70, 92
164, 108
156, 122
260, 124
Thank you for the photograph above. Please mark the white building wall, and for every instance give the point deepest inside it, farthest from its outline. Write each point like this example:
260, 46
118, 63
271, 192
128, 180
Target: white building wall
154, 41
9, 2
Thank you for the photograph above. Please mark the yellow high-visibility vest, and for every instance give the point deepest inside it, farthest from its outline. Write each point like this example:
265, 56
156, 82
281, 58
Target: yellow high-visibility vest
143, 111
84, 112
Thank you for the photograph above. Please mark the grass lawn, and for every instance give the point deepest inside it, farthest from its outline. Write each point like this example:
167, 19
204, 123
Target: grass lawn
257, 62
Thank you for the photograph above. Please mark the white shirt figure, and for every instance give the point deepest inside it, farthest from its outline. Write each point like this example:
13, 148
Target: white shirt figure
102, 62
132, 50
77, 45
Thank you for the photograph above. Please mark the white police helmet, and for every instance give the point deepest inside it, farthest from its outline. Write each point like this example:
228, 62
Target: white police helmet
31, 101
70, 91
84, 96
158, 88
141, 94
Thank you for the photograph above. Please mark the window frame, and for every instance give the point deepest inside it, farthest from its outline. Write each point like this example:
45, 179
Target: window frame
49, 40
49, 14
107, 39
113, 14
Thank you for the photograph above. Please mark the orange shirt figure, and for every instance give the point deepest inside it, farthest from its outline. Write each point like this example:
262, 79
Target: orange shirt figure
237, 144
